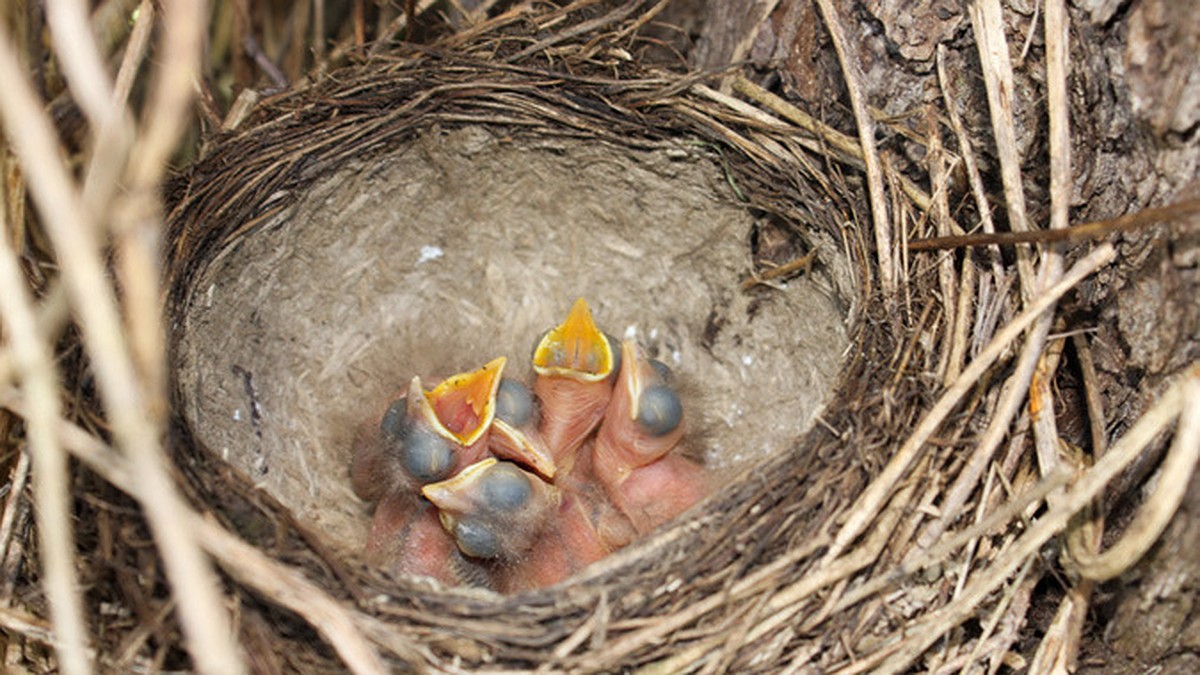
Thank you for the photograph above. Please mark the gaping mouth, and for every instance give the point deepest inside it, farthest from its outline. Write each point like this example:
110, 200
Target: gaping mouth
576, 348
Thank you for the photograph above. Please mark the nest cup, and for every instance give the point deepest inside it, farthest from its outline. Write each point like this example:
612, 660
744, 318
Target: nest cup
424, 216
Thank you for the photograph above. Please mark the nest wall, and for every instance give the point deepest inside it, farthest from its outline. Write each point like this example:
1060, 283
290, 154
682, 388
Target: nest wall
775, 506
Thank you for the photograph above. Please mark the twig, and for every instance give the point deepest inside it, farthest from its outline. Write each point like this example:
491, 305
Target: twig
137, 217
978, 191
133, 643
72, 229
110, 23
945, 548
787, 601
258, 571
876, 493
852, 74
1092, 393
644, 18
817, 579
1016, 598
1056, 652
1074, 234
580, 635
947, 283
957, 661
736, 636
899, 364
1041, 404
242, 106
804, 262
401, 22
1010, 628
663, 626
31, 627
80, 443
1152, 519
1059, 648
757, 145
165, 118
1029, 36
112, 142
279, 79
81, 59
14, 556
1058, 110
968, 556
318, 35
919, 637
844, 147
962, 321
869, 549
290, 589
51, 477
167, 112
359, 22
1045, 424
853, 78
582, 28
987, 22
1011, 631
16, 492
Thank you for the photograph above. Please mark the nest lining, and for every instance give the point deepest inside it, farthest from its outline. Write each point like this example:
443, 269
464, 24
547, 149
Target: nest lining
462, 246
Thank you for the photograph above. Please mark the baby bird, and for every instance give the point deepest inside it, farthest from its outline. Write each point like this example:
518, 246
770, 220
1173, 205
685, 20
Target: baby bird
494, 511
424, 437
586, 528
407, 538
514, 434
485, 481
575, 364
633, 456
533, 533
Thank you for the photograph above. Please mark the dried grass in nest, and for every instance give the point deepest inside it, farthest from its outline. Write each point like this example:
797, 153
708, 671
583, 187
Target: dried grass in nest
884, 531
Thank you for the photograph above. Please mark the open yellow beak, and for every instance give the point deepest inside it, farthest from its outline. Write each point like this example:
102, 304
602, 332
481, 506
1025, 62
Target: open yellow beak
576, 348
466, 403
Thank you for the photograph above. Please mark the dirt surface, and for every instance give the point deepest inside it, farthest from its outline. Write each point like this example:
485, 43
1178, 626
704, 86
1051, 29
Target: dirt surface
464, 246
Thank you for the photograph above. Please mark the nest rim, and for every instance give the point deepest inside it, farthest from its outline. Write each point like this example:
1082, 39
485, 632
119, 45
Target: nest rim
195, 241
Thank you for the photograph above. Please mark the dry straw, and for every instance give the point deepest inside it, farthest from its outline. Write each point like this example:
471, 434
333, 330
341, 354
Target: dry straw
912, 508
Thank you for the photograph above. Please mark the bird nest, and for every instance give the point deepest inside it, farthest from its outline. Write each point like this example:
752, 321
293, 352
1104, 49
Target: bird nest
423, 212
452, 209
